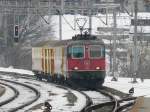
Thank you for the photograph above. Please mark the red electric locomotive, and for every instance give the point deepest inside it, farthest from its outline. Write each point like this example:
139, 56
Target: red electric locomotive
86, 60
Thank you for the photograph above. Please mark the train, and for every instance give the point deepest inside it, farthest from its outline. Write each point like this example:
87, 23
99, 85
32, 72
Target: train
80, 60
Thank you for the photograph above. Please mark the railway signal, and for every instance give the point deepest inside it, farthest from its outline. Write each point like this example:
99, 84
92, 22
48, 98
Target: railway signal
16, 33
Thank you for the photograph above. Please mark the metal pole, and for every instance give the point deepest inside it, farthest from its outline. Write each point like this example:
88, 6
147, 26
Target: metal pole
90, 17
135, 40
114, 45
28, 15
110, 57
106, 12
6, 29
60, 27
60, 19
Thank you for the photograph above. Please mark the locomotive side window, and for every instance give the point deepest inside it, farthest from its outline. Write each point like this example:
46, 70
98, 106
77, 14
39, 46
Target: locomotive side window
77, 52
96, 51
69, 52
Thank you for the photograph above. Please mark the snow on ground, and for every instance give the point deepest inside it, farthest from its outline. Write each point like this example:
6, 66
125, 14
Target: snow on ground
25, 95
13, 70
124, 84
8, 94
57, 97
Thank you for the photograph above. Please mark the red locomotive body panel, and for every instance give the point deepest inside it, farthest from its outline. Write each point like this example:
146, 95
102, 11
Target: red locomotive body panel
86, 63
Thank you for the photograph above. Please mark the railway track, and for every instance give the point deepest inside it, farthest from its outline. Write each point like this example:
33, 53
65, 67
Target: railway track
100, 103
114, 105
109, 102
10, 102
40, 84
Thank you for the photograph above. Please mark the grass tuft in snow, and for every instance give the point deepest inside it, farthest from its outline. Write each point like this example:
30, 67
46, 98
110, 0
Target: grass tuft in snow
51, 94
71, 98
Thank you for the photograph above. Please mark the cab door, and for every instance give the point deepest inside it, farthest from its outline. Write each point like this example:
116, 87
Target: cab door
86, 60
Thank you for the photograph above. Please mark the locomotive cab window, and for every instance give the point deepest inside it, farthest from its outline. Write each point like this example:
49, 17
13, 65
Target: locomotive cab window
77, 52
96, 51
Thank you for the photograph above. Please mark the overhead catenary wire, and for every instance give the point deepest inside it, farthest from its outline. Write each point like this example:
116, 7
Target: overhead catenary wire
65, 19
42, 17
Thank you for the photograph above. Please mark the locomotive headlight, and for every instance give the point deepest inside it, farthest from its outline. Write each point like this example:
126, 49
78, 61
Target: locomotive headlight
76, 68
97, 68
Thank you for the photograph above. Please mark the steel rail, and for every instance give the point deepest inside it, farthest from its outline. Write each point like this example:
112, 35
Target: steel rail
129, 104
11, 98
29, 102
97, 106
115, 102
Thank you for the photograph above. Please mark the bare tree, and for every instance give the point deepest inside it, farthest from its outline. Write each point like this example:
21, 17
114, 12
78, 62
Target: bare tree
34, 33
32, 30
